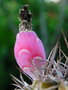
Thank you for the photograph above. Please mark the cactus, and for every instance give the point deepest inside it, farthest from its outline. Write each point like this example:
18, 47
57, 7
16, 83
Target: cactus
50, 74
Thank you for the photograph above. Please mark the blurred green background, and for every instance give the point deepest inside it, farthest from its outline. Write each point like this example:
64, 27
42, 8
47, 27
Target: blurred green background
48, 20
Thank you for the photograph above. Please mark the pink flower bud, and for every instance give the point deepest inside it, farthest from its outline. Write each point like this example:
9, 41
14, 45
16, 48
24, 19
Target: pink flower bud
28, 47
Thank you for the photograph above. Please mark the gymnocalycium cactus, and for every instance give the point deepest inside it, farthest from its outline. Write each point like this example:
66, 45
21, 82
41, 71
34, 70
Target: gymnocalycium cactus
29, 52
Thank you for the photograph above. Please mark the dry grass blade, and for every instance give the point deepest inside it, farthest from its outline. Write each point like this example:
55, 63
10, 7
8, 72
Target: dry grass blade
18, 89
21, 78
54, 51
64, 54
51, 58
50, 54
65, 39
60, 57
20, 84
17, 80
64, 64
